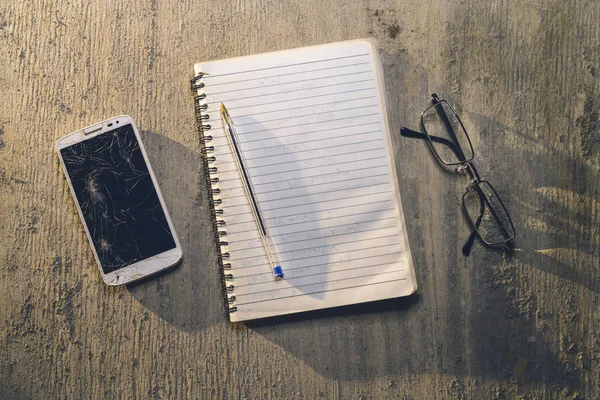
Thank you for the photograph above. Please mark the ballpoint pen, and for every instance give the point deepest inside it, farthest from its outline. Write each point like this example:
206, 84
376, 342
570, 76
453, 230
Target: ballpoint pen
240, 161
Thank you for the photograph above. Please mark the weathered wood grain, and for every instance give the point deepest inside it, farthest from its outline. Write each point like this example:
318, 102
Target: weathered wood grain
524, 76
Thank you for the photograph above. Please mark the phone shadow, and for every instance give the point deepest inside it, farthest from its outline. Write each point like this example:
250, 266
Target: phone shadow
187, 296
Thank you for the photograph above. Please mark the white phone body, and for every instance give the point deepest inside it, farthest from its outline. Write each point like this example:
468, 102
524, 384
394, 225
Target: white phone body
140, 268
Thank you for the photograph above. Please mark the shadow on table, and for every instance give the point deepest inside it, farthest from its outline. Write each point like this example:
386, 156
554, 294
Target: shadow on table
420, 335
187, 296
554, 208
495, 334
437, 331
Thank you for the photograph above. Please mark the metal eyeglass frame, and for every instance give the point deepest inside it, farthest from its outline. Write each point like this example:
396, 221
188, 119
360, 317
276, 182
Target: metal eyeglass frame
475, 181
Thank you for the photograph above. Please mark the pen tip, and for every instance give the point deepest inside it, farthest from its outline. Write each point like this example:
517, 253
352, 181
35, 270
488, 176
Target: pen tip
223, 109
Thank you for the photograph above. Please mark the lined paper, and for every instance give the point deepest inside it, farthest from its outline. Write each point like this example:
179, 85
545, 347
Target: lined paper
312, 125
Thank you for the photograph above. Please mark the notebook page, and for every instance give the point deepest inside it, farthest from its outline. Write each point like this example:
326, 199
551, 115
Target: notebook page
313, 128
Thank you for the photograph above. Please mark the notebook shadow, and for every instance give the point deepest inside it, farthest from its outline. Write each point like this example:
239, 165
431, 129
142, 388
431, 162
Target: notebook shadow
189, 295
418, 336
353, 310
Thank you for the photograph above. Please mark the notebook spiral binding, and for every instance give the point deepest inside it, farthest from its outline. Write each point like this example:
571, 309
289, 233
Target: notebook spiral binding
209, 173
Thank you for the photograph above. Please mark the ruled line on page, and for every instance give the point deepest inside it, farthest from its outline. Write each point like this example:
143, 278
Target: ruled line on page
238, 286
362, 106
290, 188
328, 281
306, 186
258, 273
320, 148
291, 108
285, 193
310, 123
316, 202
286, 146
309, 194
268, 274
238, 303
304, 259
248, 213
332, 244
285, 65
308, 222
316, 276
333, 227
314, 280
310, 160
354, 73
283, 226
312, 96
225, 192
309, 153
296, 182
323, 246
312, 231
321, 219
230, 192
304, 71
283, 145
309, 238
329, 129
316, 131
216, 101
318, 166
310, 177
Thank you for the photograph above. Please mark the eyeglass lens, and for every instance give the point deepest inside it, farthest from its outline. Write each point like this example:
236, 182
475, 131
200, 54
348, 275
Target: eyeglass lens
446, 134
487, 214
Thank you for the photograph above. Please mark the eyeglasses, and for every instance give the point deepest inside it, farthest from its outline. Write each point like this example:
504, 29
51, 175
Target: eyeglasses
450, 143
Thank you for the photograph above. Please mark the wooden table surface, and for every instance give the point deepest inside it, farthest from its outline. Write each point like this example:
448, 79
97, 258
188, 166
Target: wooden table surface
525, 78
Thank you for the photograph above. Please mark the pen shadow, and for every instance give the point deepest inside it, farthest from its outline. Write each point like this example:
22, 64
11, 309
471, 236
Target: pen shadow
187, 296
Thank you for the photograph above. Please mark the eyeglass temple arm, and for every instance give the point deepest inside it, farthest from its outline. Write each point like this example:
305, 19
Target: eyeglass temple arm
459, 153
418, 135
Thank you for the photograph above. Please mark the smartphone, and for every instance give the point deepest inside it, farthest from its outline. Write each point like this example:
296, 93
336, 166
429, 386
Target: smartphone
119, 201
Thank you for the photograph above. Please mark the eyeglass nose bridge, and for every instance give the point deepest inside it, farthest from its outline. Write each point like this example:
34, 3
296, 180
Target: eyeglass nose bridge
471, 184
469, 169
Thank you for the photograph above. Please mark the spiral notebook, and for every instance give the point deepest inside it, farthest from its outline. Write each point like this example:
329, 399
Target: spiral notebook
313, 127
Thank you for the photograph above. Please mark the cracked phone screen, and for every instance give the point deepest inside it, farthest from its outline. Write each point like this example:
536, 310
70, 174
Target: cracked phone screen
117, 198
